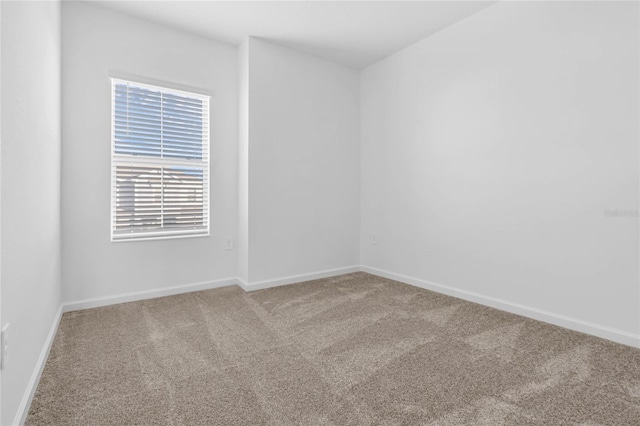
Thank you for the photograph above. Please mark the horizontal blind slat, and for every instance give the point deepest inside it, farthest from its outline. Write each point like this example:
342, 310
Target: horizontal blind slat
132, 107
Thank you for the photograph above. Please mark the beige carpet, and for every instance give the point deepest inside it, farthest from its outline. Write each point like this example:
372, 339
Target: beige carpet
355, 349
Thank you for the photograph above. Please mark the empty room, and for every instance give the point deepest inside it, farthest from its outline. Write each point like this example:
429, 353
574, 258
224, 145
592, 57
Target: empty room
319, 212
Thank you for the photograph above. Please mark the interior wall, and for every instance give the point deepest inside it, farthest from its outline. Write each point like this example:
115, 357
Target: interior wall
243, 163
30, 87
95, 42
1, 323
492, 151
303, 157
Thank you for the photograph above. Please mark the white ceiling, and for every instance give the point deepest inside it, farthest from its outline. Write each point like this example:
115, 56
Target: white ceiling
353, 33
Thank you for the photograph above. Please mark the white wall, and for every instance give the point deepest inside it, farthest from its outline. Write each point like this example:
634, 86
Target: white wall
242, 245
1, 198
491, 150
303, 176
96, 41
30, 188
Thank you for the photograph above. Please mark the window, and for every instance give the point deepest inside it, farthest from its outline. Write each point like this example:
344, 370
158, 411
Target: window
160, 162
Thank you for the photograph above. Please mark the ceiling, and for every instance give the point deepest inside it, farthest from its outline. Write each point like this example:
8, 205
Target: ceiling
352, 33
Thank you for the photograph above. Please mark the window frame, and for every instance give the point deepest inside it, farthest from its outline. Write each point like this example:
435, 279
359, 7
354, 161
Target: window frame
142, 160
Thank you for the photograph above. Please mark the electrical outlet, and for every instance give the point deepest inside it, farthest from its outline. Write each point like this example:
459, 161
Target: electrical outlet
374, 238
229, 243
4, 347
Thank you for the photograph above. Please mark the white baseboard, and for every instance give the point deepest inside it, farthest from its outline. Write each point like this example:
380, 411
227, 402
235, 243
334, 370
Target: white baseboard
187, 288
23, 408
149, 294
598, 330
242, 284
260, 285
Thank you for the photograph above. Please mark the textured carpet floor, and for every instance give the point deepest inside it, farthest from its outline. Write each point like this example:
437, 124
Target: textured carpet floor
355, 349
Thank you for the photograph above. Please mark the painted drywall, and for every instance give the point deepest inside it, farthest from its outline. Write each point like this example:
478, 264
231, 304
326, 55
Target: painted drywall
95, 42
30, 189
303, 163
243, 162
0, 200
492, 150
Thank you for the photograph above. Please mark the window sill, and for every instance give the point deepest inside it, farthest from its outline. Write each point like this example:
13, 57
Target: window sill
158, 237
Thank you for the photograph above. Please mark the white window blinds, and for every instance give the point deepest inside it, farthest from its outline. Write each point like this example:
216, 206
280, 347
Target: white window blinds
160, 162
